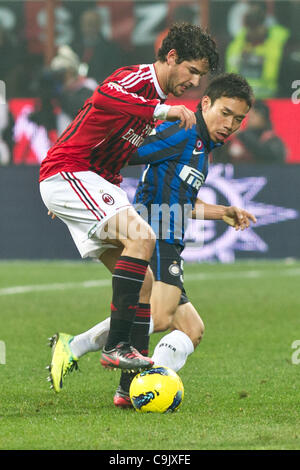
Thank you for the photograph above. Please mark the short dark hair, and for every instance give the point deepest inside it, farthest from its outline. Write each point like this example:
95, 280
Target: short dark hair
230, 85
191, 42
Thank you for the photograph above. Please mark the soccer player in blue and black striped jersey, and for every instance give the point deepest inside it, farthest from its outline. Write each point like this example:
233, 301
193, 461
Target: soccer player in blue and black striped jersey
167, 194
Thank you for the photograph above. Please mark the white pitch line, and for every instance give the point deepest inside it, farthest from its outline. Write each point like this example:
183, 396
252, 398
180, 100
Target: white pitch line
56, 286
253, 274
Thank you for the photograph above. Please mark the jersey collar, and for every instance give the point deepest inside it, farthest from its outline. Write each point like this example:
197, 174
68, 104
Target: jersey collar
203, 134
162, 95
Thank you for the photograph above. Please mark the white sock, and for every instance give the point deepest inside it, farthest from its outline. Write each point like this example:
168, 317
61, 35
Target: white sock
95, 338
91, 340
172, 350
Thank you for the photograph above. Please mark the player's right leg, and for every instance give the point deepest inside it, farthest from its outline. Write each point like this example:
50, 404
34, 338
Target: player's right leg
128, 277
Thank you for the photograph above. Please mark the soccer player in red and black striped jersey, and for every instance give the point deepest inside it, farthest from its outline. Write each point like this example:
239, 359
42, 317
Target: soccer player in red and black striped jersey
79, 178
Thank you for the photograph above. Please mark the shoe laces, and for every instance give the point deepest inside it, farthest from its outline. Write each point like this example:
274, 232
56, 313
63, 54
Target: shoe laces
72, 366
131, 351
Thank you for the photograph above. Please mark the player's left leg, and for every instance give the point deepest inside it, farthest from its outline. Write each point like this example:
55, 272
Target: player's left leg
187, 331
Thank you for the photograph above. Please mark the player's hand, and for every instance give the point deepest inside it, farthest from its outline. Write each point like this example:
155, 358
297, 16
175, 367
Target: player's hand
180, 112
238, 218
51, 215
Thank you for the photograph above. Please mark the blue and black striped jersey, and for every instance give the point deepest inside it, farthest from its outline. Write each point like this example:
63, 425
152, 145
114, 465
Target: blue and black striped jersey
177, 166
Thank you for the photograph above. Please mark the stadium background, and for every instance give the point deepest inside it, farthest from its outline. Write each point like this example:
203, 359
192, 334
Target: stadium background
31, 33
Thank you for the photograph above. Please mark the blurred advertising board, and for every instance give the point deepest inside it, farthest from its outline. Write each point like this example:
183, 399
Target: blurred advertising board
271, 193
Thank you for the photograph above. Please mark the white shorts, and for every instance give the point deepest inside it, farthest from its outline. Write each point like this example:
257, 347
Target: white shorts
85, 202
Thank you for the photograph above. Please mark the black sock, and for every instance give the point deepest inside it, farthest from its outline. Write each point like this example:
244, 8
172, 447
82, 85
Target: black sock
128, 277
139, 339
140, 329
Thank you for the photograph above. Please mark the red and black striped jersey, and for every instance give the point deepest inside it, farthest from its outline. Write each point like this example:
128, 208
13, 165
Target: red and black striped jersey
109, 127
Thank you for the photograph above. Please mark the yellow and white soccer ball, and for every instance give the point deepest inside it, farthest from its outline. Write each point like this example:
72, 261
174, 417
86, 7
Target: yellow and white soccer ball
156, 390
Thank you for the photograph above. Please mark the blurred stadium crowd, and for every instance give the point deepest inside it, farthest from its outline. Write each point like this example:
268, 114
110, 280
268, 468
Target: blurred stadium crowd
260, 40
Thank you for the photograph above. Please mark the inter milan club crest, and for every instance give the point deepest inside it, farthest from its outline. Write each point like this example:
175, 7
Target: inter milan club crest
108, 199
174, 269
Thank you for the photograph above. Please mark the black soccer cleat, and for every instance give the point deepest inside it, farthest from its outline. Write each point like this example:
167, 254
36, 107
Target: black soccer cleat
125, 357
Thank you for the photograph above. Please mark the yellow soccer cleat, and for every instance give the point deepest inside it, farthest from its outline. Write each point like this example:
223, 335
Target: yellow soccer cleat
63, 360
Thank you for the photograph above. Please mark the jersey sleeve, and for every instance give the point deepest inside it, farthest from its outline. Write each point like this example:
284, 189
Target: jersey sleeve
165, 142
115, 99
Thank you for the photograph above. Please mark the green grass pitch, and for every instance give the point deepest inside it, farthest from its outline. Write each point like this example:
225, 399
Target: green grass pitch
241, 383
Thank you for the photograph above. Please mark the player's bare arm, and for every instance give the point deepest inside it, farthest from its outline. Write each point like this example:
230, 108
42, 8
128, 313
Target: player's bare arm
233, 216
238, 218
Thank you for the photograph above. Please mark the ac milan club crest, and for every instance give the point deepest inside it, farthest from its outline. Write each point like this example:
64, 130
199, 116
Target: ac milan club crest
108, 199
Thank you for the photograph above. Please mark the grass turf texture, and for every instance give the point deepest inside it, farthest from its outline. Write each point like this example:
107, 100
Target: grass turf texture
241, 388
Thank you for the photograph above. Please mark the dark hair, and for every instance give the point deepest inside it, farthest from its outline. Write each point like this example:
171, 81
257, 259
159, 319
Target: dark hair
190, 43
230, 85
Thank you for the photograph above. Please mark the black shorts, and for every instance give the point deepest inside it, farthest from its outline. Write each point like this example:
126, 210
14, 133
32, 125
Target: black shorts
167, 266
